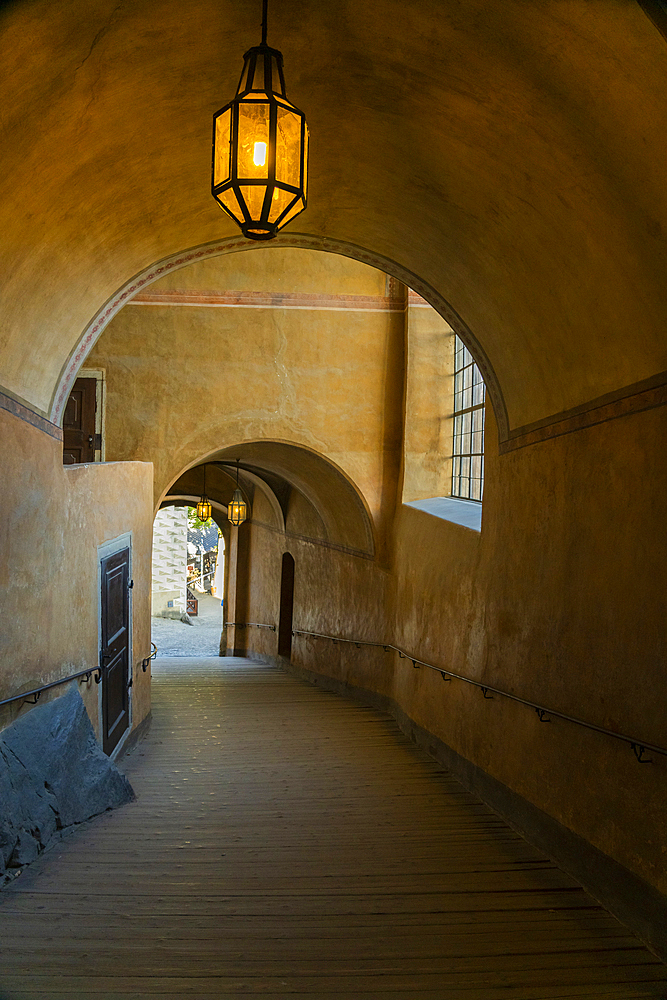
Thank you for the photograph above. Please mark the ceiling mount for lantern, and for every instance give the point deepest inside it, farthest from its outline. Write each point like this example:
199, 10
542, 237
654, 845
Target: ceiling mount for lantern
260, 148
238, 509
204, 506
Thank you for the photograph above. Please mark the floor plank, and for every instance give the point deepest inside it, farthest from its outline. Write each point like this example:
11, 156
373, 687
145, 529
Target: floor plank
287, 842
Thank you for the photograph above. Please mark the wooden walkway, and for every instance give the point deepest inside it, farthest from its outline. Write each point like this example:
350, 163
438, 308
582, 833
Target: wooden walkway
287, 842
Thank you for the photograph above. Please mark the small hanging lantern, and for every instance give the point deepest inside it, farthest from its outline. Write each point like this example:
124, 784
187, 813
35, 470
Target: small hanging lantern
238, 509
204, 506
260, 148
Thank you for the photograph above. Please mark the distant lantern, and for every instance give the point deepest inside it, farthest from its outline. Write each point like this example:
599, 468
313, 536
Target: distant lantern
260, 148
204, 506
237, 510
203, 509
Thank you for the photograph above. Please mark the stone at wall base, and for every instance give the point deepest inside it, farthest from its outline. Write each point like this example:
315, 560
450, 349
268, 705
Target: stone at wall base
53, 774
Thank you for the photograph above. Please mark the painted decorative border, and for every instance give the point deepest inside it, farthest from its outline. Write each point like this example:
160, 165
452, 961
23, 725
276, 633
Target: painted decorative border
636, 398
299, 241
270, 300
29, 416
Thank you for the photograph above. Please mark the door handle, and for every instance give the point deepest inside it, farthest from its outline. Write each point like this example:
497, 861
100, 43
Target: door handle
90, 439
102, 667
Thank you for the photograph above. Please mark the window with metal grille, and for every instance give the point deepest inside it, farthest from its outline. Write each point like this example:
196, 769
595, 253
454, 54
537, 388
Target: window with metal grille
468, 452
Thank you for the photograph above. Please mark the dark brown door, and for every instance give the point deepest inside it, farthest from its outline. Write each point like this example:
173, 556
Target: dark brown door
115, 648
79, 423
286, 606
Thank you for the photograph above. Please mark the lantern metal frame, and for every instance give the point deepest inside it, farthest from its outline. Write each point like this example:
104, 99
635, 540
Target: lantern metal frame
204, 509
237, 511
262, 83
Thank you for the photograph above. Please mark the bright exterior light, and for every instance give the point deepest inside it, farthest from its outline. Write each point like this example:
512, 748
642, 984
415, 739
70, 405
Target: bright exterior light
237, 510
260, 148
203, 509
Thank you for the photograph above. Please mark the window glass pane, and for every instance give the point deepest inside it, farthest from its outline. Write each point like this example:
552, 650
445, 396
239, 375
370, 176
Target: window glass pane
468, 451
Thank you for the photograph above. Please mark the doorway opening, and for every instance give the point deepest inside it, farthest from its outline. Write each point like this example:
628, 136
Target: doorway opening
286, 606
188, 583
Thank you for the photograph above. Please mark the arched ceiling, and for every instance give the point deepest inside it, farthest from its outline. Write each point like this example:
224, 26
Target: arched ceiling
510, 154
303, 492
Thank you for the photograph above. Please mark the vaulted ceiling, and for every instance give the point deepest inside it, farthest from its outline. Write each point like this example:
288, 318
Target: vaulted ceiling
510, 155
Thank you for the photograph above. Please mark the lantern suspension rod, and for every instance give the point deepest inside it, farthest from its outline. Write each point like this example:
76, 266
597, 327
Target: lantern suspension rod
265, 6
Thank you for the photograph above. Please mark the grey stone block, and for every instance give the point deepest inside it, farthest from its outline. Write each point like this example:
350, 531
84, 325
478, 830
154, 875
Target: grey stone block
53, 774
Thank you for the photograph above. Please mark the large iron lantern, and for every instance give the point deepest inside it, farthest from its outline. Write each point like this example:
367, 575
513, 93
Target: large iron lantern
260, 148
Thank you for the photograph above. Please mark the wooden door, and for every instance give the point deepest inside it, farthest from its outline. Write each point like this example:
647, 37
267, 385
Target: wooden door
286, 606
79, 423
115, 648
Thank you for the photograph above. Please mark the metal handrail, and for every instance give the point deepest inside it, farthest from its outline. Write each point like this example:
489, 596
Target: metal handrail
36, 692
249, 625
638, 746
147, 659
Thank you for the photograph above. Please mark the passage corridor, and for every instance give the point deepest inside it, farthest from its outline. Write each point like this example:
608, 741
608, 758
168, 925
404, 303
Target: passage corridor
288, 842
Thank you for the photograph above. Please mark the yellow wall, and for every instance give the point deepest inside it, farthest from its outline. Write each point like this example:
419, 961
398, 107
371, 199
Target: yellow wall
559, 600
184, 382
53, 520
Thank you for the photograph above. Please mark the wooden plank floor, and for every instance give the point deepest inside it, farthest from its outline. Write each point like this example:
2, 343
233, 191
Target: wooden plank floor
288, 842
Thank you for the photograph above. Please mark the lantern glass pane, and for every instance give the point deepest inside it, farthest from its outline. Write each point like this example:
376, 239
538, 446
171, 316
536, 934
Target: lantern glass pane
276, 85
230, 201
280, 201
258, 80
253, 134
297, 207
253, 195
222, 156
288, 147
244, 78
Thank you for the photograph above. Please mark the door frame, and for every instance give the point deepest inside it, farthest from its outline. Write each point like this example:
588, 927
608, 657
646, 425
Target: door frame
286, 606
100, 376
105, 550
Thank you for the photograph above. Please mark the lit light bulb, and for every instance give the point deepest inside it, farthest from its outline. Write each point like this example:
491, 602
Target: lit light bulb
259, 154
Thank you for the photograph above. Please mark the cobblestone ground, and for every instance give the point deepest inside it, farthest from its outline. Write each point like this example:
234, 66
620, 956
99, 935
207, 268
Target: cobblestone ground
202, 638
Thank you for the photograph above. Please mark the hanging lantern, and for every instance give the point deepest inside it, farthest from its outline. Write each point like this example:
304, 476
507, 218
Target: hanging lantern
204, 506
260, 148
237, 510
203, 509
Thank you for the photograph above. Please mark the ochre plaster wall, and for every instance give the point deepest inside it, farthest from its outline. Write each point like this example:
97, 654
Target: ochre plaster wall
429, 404
510, 154
53, 519
560, 600
183, 382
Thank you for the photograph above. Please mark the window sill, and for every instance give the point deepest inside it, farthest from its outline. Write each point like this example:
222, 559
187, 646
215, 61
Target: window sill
467, 513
